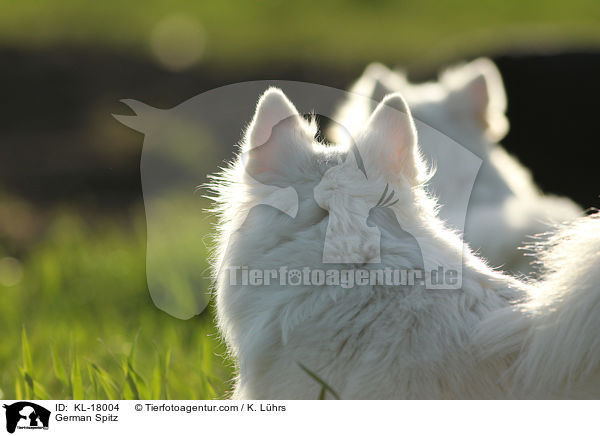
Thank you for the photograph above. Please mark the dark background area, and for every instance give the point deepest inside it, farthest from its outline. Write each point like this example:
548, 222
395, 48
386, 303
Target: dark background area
60, 143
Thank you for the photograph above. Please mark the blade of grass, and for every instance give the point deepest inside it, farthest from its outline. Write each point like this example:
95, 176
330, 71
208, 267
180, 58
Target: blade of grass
140, 384
324, 386
27, 360
29, 386
106, 382
59, 367
27, 368
76, 380
18, 389
130, 391
40, 391
156, 384
93, 381
166, 379
135, 382
159, 375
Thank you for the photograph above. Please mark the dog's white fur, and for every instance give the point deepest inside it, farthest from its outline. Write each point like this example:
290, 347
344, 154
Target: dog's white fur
553, 334
377, 342
468, 105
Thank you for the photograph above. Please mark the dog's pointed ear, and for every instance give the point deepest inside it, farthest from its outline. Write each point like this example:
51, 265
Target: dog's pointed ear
479, 86
277, 140
273, 107
376, 70
389, 143
380, 90
379, 77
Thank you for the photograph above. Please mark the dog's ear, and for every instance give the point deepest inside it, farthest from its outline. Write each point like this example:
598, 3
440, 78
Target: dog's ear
477, 87
379, 81
389, 141
277, 139
376, 71
273, 107
380, 90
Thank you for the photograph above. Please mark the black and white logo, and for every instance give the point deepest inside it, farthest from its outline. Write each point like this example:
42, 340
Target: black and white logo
26, 415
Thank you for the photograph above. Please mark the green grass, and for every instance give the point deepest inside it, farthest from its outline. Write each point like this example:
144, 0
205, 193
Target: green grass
81, 324
346, 31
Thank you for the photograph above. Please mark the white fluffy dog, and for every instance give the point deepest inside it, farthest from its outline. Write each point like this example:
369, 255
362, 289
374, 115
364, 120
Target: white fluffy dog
467, 104
495, 337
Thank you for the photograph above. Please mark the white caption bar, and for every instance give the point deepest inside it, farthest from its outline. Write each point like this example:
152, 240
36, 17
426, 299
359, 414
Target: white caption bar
316, 417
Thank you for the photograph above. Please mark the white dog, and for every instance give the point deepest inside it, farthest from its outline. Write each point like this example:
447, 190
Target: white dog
495, 337
467, 104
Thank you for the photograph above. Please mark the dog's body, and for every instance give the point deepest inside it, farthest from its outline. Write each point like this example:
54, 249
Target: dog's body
468, 105
370, 341
553, 334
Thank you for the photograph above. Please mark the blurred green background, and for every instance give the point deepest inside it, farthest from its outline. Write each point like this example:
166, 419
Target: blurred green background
238, 34
76, 315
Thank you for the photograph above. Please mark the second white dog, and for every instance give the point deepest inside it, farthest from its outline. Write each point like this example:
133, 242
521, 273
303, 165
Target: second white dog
468, 105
